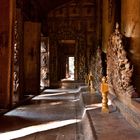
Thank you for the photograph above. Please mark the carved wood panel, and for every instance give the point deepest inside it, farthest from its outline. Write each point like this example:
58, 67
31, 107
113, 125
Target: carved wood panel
44, 70
119, 69
96, 69
16, 59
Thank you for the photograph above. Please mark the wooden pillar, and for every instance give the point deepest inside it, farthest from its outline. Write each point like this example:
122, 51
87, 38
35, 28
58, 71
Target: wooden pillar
108, 21
7, 9
32, 57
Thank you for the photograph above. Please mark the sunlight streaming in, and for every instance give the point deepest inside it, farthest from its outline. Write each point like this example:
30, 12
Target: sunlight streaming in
37, 128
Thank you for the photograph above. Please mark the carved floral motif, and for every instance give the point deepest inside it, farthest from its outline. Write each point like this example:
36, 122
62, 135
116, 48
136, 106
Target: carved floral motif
16, 58
44, 70
119, 69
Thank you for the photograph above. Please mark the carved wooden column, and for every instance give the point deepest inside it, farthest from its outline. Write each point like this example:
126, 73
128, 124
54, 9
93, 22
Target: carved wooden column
16, 63
18, 55
53, 61
7, 9
44, 69
81, 59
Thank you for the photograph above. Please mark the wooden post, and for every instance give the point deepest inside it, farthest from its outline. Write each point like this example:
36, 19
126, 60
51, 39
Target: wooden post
90, 82
104, 91
86, 78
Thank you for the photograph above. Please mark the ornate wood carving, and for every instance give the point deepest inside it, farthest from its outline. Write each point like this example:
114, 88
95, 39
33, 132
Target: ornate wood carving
44, 75
16, 81
16, 43
16, 58
96, 69
119, 69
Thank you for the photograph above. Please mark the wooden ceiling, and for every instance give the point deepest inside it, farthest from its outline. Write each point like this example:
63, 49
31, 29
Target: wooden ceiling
38, 9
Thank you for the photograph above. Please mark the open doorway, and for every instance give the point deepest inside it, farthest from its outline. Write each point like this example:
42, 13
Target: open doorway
70, 68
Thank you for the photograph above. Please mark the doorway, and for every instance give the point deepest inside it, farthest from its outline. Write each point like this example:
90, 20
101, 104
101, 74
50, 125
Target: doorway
70, 68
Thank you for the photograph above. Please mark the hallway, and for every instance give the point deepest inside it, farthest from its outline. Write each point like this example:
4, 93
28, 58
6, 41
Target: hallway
59, 114
37, 40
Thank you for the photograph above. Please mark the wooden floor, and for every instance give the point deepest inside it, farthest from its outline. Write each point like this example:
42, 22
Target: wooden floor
59, 114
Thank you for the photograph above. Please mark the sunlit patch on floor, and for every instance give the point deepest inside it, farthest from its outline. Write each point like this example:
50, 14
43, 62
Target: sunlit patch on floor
56, 103
37, 128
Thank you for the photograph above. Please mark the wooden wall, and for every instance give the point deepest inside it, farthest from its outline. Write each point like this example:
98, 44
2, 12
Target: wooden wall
7, 9
31, 57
